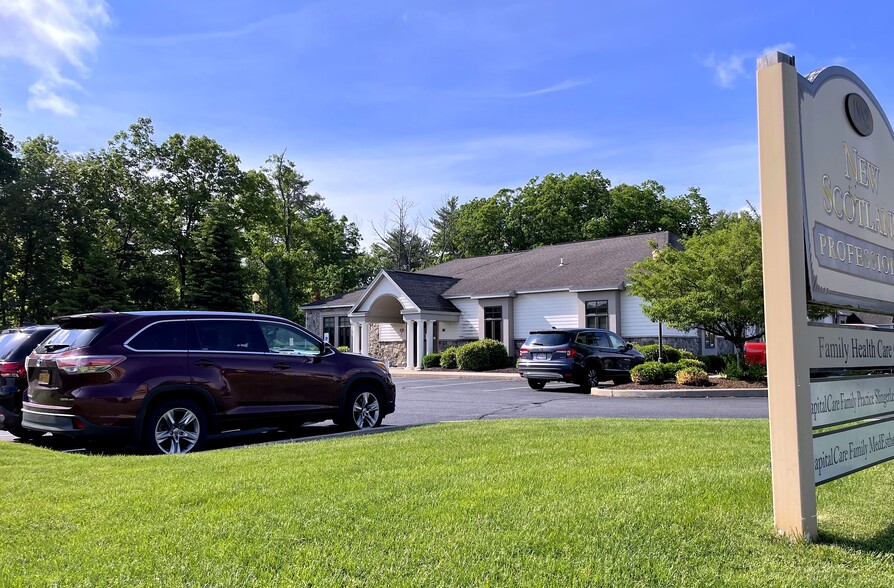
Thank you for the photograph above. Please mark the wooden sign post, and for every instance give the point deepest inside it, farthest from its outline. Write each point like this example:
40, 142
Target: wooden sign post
826, 148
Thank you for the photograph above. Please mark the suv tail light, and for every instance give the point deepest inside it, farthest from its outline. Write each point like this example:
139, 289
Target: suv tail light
568, 352
88, 364
12, 369
523, 351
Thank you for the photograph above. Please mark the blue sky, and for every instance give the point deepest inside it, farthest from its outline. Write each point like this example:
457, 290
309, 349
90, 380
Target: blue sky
376, 101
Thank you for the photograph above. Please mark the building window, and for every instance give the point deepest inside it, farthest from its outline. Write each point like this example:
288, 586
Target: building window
597, 314
344, 332
329, 330
710, 340
493, 322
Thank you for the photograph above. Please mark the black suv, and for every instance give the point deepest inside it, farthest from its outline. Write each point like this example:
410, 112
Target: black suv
15, 345
581, 356
165, 380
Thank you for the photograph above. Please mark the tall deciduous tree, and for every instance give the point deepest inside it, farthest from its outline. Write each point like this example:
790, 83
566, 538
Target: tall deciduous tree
194, 173
714, 283
555, 209
9, 173
400, 246
40, 193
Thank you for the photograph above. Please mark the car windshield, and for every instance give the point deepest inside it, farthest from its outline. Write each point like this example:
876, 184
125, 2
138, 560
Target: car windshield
547, 339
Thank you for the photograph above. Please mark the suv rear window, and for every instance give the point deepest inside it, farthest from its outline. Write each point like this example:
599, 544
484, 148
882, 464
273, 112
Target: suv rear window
8, 342
548, 339
72, 335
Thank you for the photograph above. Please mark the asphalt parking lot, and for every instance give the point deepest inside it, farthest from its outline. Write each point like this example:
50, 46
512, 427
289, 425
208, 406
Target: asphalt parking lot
427, 400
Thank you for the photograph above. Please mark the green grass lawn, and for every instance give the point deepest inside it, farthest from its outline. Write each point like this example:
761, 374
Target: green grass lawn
499, 503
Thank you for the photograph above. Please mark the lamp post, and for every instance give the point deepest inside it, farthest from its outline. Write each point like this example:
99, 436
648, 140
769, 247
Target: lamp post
255, 300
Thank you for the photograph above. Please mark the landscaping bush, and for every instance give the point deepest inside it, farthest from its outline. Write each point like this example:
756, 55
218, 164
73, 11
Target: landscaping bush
739, 370
448, 358
668, 354
670, 369
481, 355
432, 360
714, 364
691, 362
344, 348
692, 376
686, 354
650, 372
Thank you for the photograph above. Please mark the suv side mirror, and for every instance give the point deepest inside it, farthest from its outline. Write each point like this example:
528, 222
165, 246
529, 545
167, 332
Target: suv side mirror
628, 347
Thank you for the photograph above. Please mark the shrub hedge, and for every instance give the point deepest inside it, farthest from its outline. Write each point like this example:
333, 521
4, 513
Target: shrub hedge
692, 376
650, 372
668, 354
431, 360
481, 355
448, 358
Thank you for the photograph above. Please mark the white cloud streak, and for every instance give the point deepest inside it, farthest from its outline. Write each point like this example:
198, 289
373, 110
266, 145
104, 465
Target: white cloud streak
728, 70
561, 87
50, 36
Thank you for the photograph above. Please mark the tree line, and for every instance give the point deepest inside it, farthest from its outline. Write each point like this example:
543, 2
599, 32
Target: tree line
142, 224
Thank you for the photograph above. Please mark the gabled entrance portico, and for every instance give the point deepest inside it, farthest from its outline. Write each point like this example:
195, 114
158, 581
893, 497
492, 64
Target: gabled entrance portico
406, 305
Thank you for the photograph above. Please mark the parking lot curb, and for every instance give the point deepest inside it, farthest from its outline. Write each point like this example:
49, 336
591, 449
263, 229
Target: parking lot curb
403, 372
682, 393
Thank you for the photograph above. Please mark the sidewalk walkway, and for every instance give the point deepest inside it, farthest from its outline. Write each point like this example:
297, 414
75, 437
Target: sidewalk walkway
608, 391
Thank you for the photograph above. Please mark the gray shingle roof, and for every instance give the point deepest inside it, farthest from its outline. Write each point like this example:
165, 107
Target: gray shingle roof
347, 299
581, 265
425, 290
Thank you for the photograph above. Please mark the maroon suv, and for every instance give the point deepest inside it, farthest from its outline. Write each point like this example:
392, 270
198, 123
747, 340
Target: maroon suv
166, 380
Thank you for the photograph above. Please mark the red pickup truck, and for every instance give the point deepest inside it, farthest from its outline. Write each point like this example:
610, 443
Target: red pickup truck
756, 352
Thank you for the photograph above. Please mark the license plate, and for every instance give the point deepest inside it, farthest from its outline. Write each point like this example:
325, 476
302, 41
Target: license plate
542, 356
43, 377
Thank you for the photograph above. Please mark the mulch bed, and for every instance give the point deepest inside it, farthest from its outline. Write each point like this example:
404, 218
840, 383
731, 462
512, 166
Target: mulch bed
714, 383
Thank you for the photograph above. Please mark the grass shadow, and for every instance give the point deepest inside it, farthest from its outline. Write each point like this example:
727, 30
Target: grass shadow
881, 543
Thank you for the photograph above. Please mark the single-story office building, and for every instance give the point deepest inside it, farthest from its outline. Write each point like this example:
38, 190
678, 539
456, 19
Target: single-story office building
401, 316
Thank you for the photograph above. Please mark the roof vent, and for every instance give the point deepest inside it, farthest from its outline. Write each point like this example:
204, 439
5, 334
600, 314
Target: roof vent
561, 261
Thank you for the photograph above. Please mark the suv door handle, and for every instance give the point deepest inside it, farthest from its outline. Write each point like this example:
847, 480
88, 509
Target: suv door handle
203, 362
281, 366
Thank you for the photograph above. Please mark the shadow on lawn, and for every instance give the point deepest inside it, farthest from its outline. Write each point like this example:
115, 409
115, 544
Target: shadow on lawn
227, 440
881, 543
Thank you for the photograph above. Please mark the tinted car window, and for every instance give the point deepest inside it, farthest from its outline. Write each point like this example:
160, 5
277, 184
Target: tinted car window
548, 339
229, 335
616, 342
289, 340
8, 342
163, 336
70, 337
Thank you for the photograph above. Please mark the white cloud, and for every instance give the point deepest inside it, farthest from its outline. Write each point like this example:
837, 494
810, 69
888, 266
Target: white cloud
727, 71
49, 36
561, 87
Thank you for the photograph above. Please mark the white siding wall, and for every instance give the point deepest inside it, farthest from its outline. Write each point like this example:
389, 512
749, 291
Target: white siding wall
635, 324
467, 326
392, 332
537, 312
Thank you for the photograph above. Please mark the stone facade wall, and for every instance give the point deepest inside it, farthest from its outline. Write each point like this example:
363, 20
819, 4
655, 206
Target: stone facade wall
691, 344
313, 321
392, 352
